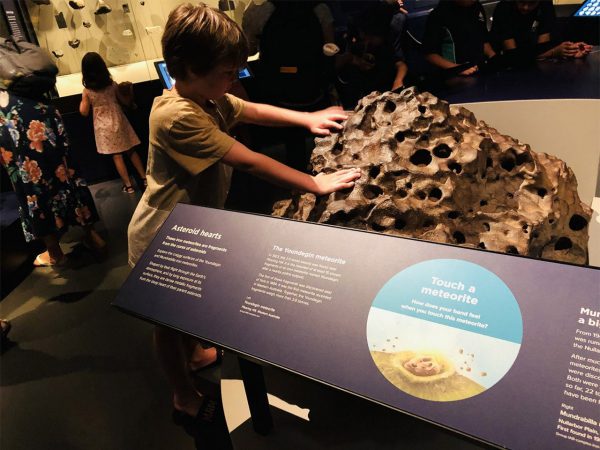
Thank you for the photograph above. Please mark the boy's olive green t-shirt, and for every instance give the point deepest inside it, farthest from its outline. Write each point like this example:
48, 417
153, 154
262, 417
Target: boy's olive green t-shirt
186, 145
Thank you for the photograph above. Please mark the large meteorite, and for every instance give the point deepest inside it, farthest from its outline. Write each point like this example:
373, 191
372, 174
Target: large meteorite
433, 171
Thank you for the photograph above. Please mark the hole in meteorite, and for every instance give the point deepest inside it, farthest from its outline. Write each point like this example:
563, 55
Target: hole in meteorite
421, 158
421, 195
408, 185
428, 223
486, 226
563, 243
422, 109
337, 148
512, 250
455, 167
435, 194
402, 193
453, 215
542, 192
523, 158
372, 191
577, 222
481, 245
374, 171
459, 237
483, 203
442, 151
509, 195
399, 136
399, 223
507, 164
489, 162
389, 107
377, 227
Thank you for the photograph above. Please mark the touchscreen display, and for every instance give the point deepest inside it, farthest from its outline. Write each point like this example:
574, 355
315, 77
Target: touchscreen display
168, 81
591, 8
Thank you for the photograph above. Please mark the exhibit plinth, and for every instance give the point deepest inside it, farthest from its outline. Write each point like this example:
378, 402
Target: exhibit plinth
500, 348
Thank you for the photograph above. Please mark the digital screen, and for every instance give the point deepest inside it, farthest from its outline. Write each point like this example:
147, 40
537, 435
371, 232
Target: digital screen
163, 74
244, 73
591, 8
168, 81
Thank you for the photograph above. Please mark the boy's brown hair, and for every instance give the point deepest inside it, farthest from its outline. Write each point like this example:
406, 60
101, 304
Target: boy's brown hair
200, 38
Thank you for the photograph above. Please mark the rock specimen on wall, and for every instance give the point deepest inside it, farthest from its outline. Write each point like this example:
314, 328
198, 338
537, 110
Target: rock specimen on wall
433, 171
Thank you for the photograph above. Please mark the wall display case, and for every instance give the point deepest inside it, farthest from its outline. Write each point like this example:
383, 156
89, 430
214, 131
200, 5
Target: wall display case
126, 33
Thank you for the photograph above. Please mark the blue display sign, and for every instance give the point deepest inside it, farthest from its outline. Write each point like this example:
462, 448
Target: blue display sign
502, 348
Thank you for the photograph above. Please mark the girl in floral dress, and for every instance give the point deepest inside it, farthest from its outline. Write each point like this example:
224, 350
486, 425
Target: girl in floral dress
113, 132
34, 152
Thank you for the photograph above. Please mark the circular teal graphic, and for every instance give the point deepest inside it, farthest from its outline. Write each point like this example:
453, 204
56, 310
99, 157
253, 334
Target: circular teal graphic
444, 329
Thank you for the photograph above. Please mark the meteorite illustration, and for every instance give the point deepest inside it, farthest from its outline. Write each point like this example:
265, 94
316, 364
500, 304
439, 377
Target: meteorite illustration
426, 374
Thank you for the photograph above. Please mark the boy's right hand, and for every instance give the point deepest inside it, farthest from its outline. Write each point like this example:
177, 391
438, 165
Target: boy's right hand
342, 179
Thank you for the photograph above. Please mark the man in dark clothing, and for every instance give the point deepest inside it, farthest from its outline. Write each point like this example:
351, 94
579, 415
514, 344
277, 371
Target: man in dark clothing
456, 34
528, 26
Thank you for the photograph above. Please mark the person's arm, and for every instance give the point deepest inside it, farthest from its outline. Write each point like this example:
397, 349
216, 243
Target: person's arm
509, 44
432, 40
325, 17
125, 94
242, 158
318, 122
84, 106
488, 50
438, 60
253, 22
401, 71
397, 32
565, 49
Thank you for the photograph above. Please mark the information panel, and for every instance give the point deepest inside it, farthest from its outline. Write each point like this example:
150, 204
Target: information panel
499, 347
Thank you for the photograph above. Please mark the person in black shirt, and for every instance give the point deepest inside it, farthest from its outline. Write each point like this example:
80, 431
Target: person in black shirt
456, 34
372, 58
528, 26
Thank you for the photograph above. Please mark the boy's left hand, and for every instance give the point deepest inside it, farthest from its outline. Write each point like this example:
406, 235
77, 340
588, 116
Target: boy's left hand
321, 122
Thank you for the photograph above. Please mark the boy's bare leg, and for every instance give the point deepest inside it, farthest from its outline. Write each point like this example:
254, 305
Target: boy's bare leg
122, 169
172, 356
199, 356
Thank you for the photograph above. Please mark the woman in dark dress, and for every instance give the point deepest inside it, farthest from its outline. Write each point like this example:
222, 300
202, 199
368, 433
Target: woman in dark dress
34, 151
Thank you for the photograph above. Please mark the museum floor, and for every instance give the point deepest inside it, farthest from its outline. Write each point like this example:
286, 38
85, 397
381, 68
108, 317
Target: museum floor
81, 375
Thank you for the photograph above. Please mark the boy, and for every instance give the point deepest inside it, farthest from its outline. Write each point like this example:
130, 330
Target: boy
190, 154
455, 34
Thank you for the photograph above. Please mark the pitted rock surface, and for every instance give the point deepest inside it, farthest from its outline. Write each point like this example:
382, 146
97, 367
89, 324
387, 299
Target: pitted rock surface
433, 171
